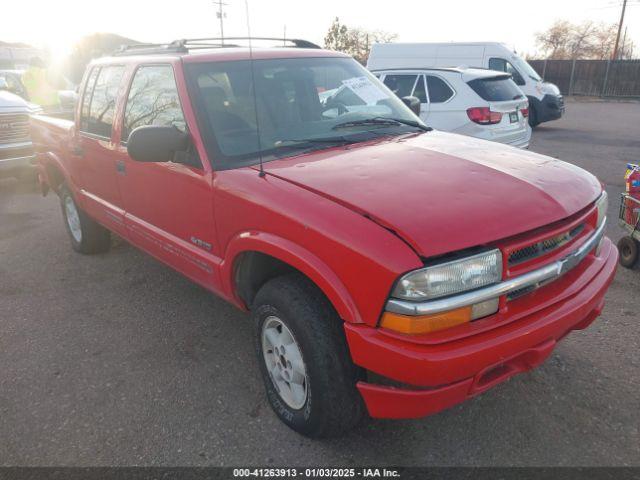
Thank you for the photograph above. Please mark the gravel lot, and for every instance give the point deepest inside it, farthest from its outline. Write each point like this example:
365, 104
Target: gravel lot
116, 360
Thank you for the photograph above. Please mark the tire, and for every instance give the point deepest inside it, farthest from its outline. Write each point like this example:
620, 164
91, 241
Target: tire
533, 117
86, 235
628, 248
329, 403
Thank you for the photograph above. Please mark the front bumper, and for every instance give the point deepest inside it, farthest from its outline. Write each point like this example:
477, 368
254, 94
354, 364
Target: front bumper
550, 107
443, 374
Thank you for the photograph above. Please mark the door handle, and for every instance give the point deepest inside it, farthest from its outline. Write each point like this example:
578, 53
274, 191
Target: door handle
77, 150
120, 167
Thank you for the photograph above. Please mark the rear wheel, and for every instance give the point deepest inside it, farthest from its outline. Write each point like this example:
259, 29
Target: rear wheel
86, 235
628, 248
304, 359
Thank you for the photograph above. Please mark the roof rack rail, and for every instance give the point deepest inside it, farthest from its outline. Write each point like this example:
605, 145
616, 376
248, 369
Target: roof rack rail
149, 48
186, 44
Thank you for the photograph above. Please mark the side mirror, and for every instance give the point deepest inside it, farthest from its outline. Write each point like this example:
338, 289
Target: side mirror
413, 103
156, 143
3, 84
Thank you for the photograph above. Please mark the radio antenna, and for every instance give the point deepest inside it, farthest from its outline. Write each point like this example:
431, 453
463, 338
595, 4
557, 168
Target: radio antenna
253, 88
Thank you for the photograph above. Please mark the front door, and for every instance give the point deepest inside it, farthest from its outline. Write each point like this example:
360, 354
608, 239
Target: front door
169, 206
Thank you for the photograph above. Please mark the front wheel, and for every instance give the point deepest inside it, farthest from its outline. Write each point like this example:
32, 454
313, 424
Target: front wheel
533, 117
304, 359
86, 235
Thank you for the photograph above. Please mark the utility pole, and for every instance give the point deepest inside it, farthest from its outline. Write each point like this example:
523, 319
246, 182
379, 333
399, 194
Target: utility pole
221, 16
615, 49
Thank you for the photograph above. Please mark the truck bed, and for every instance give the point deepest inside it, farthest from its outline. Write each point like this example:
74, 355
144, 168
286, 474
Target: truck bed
51, 136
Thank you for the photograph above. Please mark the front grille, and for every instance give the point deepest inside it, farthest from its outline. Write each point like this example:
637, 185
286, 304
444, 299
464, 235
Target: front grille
14, 128
10, 153
522, 291
543, 247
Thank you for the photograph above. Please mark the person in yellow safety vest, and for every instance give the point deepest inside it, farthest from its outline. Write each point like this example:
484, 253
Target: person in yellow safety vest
36, 82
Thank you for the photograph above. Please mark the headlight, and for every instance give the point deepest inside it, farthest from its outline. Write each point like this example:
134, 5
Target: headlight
602, 204
451, 277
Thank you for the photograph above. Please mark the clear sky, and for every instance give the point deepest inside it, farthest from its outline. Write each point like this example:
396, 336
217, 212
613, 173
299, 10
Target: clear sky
59, 23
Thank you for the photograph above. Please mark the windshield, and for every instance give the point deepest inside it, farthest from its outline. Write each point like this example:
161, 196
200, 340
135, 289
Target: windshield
525, 68
301, 104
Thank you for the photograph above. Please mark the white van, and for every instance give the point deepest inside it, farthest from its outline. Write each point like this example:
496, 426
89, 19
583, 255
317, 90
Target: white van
545, 101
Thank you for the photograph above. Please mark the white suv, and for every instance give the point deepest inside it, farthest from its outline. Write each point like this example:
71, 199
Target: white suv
475, 102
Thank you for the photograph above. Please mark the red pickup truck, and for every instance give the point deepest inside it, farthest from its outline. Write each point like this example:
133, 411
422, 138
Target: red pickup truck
389, 269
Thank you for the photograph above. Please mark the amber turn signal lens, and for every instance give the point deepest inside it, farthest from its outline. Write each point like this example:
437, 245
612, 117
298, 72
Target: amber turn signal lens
415, 325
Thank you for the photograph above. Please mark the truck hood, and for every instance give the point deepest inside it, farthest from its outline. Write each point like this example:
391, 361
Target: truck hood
11, 103
442, 192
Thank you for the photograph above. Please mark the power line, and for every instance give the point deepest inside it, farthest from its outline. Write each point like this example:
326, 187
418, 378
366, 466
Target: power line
221, 15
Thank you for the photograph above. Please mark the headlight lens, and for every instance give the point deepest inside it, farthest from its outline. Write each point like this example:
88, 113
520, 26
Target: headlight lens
602, 204
451, 277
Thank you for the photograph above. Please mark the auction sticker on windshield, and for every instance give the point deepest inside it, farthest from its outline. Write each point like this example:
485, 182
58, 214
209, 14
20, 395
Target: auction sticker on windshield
365, 89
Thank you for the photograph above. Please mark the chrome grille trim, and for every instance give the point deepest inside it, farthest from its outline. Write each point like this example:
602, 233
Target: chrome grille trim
543, 247
534, 279
14, 128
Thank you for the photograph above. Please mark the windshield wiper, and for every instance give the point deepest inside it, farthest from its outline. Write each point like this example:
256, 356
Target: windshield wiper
382, 121
293, 142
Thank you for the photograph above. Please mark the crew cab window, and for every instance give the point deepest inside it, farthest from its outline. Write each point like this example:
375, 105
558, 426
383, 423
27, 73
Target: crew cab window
502, 65
401, 85
99, 100
439, 91
153, 100
86, 99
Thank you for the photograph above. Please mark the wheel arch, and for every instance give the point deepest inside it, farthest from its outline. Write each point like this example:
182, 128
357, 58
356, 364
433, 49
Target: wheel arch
255, 258
54, 170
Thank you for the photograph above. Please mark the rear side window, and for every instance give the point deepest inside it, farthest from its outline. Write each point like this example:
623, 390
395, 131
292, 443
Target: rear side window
99, 101
496, 89
439, 91
153, 100
401, 85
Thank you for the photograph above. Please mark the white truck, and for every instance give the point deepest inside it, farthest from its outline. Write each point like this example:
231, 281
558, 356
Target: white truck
17, 157
545, 101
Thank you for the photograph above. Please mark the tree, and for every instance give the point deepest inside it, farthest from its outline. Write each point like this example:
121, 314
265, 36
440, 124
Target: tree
554, 42
587, 40
90, 47
354, 41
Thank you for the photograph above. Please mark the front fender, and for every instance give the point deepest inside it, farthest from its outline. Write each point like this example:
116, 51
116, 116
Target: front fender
297, 257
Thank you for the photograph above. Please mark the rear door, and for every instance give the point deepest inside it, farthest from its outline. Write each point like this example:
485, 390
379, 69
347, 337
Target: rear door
169, 206
443, 113
94, 148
